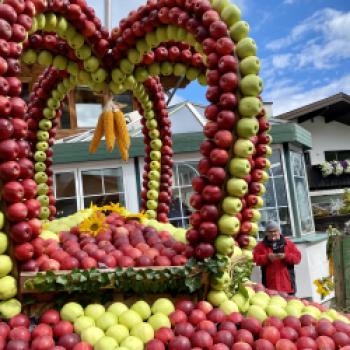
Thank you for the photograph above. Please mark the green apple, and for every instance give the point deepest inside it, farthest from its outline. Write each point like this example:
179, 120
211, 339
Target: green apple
151, 214
257, 312
73, 68
44, 200
2, 220
218, 283
40, 177
252, 243
166, 68
98, 87
42, 135
141, 74
192, 73
126, 66
142, 46
5, 265
71, 311
129, 318
39, 156
76, 42
3, 240
130, 82
118, 332
231, 14
117, 308
152, 204
163, 306
143, 331
219, 5
151, 124
216, 297
151, 39
49, 113
278, 300
231, 205
180, 34
42, 188
91, 64
249, 65
228, 306
249, 106
150, 115
171, 31
94, 311
8, 287
261, 299
152, 194
251, 85
156, 144
133, 343
202, 79
239, 30
29, 56
154, 165
154, 175
41, 20
53, 103
292, 311
45, 124
239, 167
70, 33
99, 76
44, 213
92, 335
246, 47
241, 302
312, 310
153, 185
155, 155
50, 22
10, 308
83, 322
237, 187
154, 69
159, 320
180, 70
190, 39
118, 76
276, 311
34, 27
106, 320
243, 148
224, 244
161, 34
247, 127
45, 58
142, 308
228, 225
134, 56
116, 88
84, 52
84, 77
62, 26
105, 343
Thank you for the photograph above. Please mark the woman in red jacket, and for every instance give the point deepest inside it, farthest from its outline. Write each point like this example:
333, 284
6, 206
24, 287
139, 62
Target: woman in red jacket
277, 256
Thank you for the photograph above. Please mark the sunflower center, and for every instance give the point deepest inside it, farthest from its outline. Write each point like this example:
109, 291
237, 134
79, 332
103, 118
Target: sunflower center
94, 227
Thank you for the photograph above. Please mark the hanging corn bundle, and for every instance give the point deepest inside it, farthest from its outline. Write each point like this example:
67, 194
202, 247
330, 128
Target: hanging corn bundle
111, 123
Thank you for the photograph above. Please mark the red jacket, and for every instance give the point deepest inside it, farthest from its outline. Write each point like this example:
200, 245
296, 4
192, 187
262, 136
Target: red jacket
278, 274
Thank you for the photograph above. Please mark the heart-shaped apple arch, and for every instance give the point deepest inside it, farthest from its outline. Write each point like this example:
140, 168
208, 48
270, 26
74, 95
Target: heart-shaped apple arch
198, 39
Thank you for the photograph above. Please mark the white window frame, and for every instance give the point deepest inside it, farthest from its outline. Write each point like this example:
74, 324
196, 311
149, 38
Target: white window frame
128, 173
285, 177
292, 148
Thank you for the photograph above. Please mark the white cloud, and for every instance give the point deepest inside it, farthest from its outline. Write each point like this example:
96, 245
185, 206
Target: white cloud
287, 95
289, 2
281, 61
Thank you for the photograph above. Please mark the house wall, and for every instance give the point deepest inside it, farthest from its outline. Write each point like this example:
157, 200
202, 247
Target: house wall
331, 136
313, 265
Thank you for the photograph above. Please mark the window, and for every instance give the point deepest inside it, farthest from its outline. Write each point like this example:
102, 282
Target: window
301, 190
180, 208
88, 106
65, 122
102, 186
125, 100
65, 192
336, 155
276, 204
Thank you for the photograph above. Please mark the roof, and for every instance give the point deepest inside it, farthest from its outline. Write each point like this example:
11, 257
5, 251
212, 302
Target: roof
333, 108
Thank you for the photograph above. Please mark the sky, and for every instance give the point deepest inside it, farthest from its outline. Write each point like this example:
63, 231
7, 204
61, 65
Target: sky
304, 47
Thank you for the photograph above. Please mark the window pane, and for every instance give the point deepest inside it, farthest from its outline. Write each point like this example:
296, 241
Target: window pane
125, 100
176, 222
66, 207
276, 163
65, 185
187, 171
113, 179
281, 193
65, 117
269, 196
175, 206
92, 182
104, 199
88, 107
185, 196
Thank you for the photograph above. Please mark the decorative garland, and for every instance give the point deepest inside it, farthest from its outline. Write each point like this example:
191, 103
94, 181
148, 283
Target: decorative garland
335, 167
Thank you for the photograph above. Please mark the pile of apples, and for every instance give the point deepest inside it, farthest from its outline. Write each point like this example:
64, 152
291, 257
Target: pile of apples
51, 333
123, 244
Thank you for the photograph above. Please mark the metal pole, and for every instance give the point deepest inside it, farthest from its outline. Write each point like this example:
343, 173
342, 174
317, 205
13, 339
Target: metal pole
178, 83
108, 14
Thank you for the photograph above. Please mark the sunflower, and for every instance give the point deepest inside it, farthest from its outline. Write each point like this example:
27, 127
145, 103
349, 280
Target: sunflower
115, 208
93, 224
138, 216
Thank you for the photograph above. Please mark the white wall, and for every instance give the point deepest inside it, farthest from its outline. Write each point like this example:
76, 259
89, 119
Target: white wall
333, 136
313, 265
